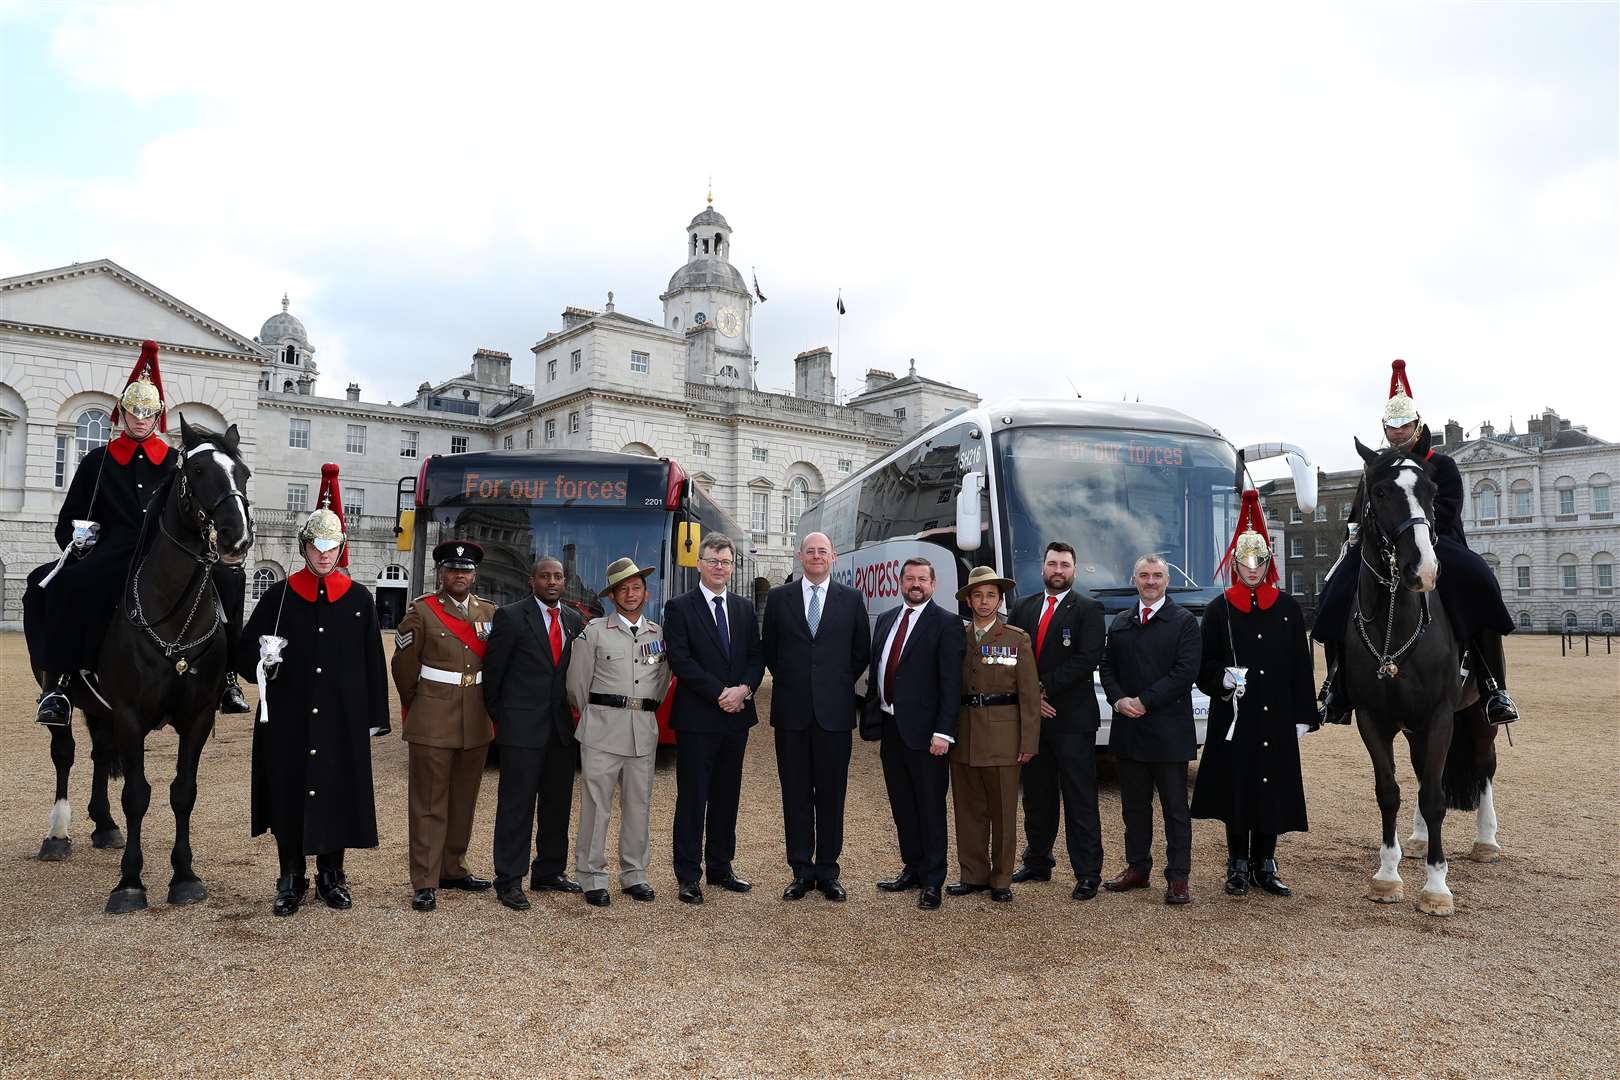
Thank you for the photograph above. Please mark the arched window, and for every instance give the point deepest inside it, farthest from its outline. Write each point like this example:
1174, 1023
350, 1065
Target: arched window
263, 578
394, 572
287, 387
1606, 621
1523, 500
1599, 485
1569, 573
1566, 496
1603, 572
93, 429
1526, 621
1487, 503
1572, 621
798, 500
290, 356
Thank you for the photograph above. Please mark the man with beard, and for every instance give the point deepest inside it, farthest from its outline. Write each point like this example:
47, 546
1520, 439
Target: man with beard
1067, 629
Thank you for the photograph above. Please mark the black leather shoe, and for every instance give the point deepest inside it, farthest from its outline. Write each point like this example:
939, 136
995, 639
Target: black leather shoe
798, 888
232, 701
466, 884
691, 893
597, 897
1085, 889
290, 893
902, 882
1499, 708
333, 889
929, 900
1030, 873
639, 891
55, 710
424, 900
1001, 896
553, 883
513, 898
730, 882
832, 889
963, 888
1237, 877
1265, 876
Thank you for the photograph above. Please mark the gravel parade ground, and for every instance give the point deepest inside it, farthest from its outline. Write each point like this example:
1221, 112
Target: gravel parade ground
1522, 981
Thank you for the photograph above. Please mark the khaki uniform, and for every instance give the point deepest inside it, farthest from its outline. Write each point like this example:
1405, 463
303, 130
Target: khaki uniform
439, 681
616, 743
989, 738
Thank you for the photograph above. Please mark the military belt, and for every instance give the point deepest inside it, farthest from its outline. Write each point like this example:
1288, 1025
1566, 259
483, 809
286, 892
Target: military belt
619, 701
981, 701
454, 678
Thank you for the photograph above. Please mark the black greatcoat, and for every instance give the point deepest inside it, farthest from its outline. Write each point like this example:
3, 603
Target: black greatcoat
1253, 781
1157, 663
312, 761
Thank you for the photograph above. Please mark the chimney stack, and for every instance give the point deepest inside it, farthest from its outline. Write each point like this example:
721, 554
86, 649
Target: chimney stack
354, 391
813, 375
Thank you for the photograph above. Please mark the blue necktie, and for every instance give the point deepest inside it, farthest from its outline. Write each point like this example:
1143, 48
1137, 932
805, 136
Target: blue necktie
721, 621
815, 609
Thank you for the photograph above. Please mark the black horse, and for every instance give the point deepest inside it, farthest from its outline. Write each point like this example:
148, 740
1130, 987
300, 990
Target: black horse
1401, 663
162, 661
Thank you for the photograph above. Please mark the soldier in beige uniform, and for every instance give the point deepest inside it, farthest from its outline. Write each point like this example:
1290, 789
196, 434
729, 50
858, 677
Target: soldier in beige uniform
438, 668
617, 680
999, 730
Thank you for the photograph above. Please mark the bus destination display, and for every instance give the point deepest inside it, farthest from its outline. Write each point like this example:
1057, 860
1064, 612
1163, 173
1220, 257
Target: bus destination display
577, 485
1107, 451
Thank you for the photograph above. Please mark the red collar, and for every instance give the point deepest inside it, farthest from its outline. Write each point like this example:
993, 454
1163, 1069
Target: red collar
123, 448
1239, 596
305, 583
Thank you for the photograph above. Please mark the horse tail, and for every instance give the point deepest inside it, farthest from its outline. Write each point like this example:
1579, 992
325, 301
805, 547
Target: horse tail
1471, 759
102, 748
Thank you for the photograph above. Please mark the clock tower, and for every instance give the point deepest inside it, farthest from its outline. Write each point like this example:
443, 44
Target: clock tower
709, 302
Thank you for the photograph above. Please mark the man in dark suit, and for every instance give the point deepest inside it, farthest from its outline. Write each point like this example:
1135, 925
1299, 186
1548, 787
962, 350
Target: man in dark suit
525, 693
714, 653
1068, 632
1148, 670
817, 643
915, 699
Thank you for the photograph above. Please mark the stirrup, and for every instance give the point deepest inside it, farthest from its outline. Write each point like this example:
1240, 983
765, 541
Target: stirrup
1499, 708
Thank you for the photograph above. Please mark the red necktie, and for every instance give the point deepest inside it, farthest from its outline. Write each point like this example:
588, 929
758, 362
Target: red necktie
556, 636
892, 664
1147, 613
1046, 618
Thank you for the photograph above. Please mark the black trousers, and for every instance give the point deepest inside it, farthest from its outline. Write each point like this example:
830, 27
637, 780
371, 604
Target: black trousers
1066, 766
230, 582
1137, 781
1257, 847
708, 787
291, 854
813, 766
532, 778
918, 782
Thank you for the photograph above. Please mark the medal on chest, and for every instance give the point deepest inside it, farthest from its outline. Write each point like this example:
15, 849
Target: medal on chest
1066, 637
650, 653
482, 629
999, 655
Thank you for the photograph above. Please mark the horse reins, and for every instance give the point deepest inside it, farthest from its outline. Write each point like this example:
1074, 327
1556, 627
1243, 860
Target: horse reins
1387, 666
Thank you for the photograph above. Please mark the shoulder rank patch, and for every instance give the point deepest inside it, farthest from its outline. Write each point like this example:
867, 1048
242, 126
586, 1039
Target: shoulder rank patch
403, 638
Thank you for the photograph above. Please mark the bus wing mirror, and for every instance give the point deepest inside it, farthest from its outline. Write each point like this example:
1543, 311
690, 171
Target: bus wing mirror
969, 520
1299, 464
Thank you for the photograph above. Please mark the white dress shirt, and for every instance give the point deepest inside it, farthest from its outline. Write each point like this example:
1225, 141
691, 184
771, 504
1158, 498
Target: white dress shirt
633, 627
1152, 608
546, 613
804, 591
883, 658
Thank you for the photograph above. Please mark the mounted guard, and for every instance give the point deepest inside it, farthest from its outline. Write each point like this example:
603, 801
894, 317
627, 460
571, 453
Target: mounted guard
1469, 590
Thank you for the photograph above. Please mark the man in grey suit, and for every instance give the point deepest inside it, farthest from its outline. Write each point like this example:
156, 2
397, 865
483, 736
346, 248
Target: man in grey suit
524, 692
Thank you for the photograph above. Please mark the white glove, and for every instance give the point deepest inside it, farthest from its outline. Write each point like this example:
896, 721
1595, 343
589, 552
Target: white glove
1229, 681
85, 535
1301, 730
270, 646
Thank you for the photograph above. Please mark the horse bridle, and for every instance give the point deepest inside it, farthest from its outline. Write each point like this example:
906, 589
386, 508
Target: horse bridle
205, 515
1388, 668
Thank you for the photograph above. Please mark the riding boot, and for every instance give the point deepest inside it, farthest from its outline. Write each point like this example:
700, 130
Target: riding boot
1265, 876
330, 883
292, 886
55, 710
1237, 877
1333, 703
1486, 655
232, 701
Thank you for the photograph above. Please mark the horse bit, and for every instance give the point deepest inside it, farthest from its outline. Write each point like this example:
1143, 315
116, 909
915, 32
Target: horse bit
1387, 666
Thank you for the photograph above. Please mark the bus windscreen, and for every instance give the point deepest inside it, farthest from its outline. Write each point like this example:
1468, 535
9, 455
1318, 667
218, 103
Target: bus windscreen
1115, 495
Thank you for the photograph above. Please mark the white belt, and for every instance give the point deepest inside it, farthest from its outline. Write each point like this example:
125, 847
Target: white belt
454, 678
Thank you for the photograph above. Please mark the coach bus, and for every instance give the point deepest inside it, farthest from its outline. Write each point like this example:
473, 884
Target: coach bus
584, 507
989, 486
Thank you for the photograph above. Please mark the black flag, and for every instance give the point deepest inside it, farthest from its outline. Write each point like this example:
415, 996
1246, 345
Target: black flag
840, 301
756, 287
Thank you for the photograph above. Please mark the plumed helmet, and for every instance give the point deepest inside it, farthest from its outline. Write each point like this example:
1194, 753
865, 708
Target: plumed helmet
143, 391
324, 527
1251, 543
1400, 409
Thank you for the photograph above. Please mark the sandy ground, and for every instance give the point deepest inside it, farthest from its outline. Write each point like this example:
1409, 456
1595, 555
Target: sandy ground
1522, 980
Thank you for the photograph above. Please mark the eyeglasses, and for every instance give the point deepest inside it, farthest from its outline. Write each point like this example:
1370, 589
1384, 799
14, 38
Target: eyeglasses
718, 564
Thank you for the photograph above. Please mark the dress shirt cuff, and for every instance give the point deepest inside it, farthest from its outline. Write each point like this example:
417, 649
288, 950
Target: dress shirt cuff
947, 738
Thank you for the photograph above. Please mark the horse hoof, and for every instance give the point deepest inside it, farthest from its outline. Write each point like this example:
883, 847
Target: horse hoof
125, 900
1435, 903
1486, 853
187, 892
55, 848
1386, 892
107, 838
1415, 849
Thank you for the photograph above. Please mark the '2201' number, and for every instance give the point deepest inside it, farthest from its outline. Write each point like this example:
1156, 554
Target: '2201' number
653, 501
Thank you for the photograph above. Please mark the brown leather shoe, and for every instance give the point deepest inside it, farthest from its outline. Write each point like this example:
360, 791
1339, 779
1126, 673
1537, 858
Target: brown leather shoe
1176, 893
1126, 880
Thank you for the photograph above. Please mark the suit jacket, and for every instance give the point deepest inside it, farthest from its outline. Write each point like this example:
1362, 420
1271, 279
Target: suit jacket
813, 678
702, 670
996, 734
1157, 663
524, 691
439, 713
928, 682
608, 659
1068, 659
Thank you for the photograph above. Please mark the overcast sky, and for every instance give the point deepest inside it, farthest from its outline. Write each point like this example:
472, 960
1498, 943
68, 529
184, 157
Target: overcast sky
1243, 211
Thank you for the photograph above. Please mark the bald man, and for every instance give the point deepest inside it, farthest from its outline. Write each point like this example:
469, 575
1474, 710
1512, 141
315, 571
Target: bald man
817, 643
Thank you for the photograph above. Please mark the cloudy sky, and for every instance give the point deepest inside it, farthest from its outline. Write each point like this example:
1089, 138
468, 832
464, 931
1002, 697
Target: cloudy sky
1240, 210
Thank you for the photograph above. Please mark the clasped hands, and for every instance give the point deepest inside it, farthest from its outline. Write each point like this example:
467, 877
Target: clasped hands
733, 698
1130, 706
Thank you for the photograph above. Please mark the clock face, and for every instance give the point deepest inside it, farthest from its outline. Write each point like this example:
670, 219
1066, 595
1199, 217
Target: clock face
730, 323
700, 318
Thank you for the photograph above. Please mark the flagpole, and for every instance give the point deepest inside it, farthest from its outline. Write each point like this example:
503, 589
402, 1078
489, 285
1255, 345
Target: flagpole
838, 353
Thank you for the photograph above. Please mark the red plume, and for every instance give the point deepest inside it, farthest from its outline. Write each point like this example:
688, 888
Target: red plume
1397, 379
329, 487
148, 363
1250, 516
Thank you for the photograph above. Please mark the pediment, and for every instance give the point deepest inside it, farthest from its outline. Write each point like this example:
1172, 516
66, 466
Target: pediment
1490, 451
101, 299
